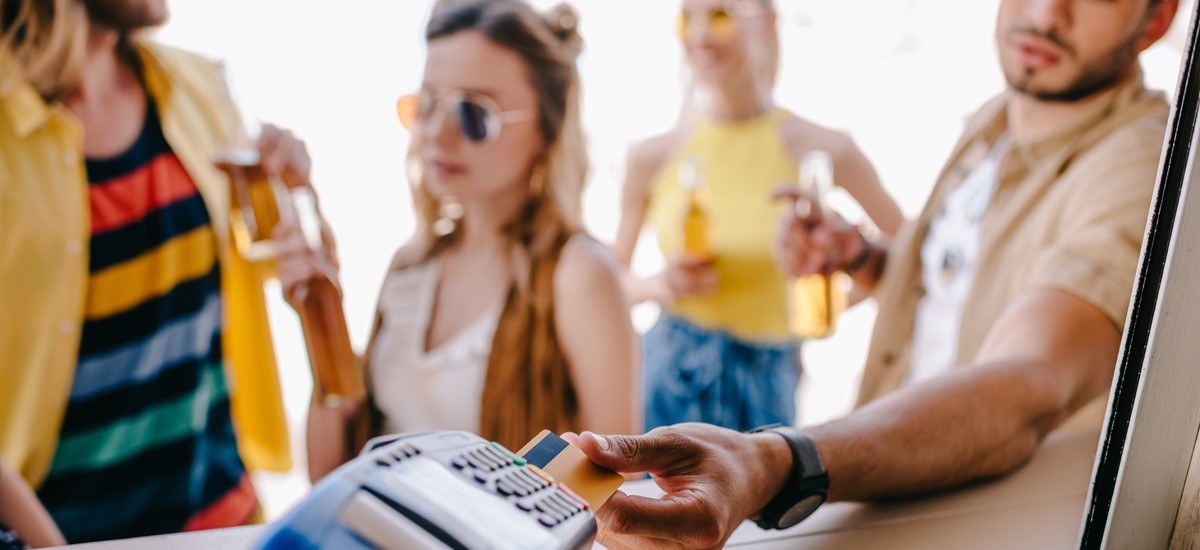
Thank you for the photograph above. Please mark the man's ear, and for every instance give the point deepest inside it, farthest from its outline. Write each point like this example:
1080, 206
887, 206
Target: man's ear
1158, 22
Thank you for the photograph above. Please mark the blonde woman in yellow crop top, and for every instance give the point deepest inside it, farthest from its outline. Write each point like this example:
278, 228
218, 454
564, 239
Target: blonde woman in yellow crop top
721, 352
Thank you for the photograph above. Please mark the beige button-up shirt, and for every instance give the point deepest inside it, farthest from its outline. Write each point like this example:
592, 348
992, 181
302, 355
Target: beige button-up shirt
1069, 213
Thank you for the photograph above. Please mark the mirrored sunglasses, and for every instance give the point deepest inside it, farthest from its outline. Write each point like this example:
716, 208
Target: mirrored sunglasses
478, 116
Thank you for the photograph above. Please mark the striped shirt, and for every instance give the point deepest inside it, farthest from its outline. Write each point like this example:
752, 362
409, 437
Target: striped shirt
147, 444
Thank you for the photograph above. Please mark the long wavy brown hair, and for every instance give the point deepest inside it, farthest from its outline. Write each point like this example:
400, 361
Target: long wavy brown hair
527, 386
42, 42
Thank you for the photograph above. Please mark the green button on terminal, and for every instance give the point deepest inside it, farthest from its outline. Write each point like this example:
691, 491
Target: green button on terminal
516, 459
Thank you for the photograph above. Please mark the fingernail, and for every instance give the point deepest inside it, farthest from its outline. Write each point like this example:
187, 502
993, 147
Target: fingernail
601, 441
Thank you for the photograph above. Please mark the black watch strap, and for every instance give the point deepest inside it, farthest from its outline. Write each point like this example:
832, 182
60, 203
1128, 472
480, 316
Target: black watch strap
806, 486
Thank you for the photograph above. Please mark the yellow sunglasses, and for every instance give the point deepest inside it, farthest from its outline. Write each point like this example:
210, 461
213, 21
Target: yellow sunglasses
719, 22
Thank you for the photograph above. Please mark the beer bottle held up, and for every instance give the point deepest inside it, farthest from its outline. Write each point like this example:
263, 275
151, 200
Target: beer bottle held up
697, 230
337, 379
258, 203
815, 301
254, 212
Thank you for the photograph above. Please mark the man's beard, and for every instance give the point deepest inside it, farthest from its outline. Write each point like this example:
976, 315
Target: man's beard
122, 15
1094, 77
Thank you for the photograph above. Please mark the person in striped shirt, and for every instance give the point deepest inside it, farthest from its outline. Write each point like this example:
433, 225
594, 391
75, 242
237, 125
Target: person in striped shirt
122, 294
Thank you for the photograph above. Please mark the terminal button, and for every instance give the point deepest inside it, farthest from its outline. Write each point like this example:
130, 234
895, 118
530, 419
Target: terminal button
509, 454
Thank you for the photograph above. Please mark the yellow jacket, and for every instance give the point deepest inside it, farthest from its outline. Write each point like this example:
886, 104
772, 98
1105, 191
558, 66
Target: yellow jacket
44, 236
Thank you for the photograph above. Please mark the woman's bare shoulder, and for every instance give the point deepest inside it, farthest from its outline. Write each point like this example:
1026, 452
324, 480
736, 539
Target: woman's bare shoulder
646, 157
802, 135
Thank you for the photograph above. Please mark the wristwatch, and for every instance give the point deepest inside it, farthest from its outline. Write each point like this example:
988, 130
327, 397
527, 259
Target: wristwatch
805, 488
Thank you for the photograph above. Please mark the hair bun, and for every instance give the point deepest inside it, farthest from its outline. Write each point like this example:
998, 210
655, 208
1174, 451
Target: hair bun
563, 21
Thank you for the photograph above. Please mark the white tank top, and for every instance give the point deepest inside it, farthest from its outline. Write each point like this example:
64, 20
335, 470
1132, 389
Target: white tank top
419, 390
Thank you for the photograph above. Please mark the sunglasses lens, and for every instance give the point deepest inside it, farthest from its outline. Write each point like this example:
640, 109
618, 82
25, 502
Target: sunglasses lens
720, 23
475, 117
474, 120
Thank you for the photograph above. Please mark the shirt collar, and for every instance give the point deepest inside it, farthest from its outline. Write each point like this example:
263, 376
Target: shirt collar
27, 111
994, 121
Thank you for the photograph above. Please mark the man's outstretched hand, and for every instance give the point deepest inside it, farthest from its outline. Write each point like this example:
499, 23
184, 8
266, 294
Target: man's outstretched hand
714, 479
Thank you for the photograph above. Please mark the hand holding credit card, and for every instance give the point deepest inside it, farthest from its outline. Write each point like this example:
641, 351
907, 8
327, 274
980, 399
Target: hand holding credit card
569, 466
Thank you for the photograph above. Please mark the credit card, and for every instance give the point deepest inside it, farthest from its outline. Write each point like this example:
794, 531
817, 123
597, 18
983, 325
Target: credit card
569, 466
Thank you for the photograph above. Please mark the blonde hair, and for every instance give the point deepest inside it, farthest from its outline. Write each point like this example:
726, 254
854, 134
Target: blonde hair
42, 43
767, 65
527, 386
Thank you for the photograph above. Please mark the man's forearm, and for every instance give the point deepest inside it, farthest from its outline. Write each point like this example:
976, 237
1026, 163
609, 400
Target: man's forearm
970, 424
21, 511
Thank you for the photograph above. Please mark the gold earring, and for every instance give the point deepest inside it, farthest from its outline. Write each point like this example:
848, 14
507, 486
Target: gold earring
537, 180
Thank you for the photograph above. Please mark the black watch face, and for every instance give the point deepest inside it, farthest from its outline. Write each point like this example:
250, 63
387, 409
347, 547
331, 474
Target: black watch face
800, 510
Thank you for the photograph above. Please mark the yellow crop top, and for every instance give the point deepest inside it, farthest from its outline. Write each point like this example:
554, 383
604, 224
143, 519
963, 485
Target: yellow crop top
739, 163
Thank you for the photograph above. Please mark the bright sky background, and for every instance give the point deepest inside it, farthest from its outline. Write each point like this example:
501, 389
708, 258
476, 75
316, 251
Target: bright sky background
898, 75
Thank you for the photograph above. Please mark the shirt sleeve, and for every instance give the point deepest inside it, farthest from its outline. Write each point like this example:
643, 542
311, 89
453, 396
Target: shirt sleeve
1095, 256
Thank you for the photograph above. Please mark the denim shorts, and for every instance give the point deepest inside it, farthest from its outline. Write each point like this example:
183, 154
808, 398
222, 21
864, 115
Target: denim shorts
693, 374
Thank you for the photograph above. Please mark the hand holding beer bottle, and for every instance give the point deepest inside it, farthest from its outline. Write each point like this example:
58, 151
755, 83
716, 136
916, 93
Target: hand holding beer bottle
273, 220
316, 296
807, 249
273, 216
692, 273
255, 166
697, 230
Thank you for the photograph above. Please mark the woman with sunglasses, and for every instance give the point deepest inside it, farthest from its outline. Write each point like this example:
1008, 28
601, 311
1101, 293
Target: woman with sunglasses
721, 352
500, 317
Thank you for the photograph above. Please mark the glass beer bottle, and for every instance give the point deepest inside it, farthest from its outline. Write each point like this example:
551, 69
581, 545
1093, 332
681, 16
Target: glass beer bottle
253, 210
815, 301
336, 377
697, 235
257, 204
